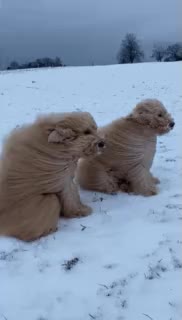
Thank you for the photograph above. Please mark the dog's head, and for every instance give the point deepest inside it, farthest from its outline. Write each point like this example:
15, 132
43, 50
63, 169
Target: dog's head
153, 114
77, 131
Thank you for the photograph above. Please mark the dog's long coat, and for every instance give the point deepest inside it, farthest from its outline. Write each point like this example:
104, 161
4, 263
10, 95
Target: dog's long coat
131, 144
38, 164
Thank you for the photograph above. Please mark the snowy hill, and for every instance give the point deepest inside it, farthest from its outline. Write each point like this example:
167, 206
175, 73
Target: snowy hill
124, 261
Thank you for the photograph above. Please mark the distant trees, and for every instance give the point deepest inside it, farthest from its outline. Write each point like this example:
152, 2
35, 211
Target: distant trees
13, 65
38, 63
130, 50
158, 52
172, 53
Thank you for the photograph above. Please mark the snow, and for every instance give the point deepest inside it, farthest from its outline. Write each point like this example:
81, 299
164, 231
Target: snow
127, 255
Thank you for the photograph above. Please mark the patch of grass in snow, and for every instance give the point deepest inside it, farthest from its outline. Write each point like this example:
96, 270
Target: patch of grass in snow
116, 291
174, 206
158, 216
155, 271
110, 266
98, 315
43, 266
177, 263
124, 304
97, 198
3, 317
8, 256
69, 264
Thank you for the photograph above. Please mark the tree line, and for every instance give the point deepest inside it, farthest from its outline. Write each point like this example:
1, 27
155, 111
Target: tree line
38, 63
131, 51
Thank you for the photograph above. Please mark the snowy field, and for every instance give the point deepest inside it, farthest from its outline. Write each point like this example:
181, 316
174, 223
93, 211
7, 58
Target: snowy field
124, 262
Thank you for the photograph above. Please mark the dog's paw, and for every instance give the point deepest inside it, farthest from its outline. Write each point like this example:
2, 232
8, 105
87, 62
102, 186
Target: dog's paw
83, 211
49, 231
150, 192
146, 192
155, 180
111, 187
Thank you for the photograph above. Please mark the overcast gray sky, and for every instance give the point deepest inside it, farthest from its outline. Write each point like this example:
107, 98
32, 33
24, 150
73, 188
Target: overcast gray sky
82, 32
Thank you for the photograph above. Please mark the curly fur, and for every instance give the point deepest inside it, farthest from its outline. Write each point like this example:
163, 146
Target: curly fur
131, 144
38, 163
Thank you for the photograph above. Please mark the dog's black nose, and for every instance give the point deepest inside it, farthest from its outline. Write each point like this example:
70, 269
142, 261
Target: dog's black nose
172, 123
101, 144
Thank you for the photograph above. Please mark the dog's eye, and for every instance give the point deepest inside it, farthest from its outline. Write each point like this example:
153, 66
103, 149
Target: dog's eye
160, 115
87, 131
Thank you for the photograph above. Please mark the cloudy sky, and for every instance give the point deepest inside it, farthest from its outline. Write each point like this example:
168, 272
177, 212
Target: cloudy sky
83, 32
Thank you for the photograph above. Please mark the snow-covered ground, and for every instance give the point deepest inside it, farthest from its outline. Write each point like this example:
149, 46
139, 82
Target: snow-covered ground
124, 261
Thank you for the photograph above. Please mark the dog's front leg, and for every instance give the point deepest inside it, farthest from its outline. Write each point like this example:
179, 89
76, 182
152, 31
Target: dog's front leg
142, 181
72, 206
155, 179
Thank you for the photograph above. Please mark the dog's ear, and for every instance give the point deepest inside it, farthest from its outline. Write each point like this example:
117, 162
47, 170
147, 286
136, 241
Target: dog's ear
129, 116
61, 135
54, 137
140, 116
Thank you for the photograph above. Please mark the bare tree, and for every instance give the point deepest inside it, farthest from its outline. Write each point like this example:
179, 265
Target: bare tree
158, 52
174, 52
13, 66
58, 62
130, 50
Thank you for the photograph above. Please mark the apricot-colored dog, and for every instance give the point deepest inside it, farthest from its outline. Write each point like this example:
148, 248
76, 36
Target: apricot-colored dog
38, 163
131, 144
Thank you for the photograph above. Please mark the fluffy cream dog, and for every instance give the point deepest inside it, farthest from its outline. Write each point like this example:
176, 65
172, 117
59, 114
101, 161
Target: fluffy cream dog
131, 144
37, 168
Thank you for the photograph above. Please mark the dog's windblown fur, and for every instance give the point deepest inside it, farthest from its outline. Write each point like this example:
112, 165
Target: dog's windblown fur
37, 168
131, 144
